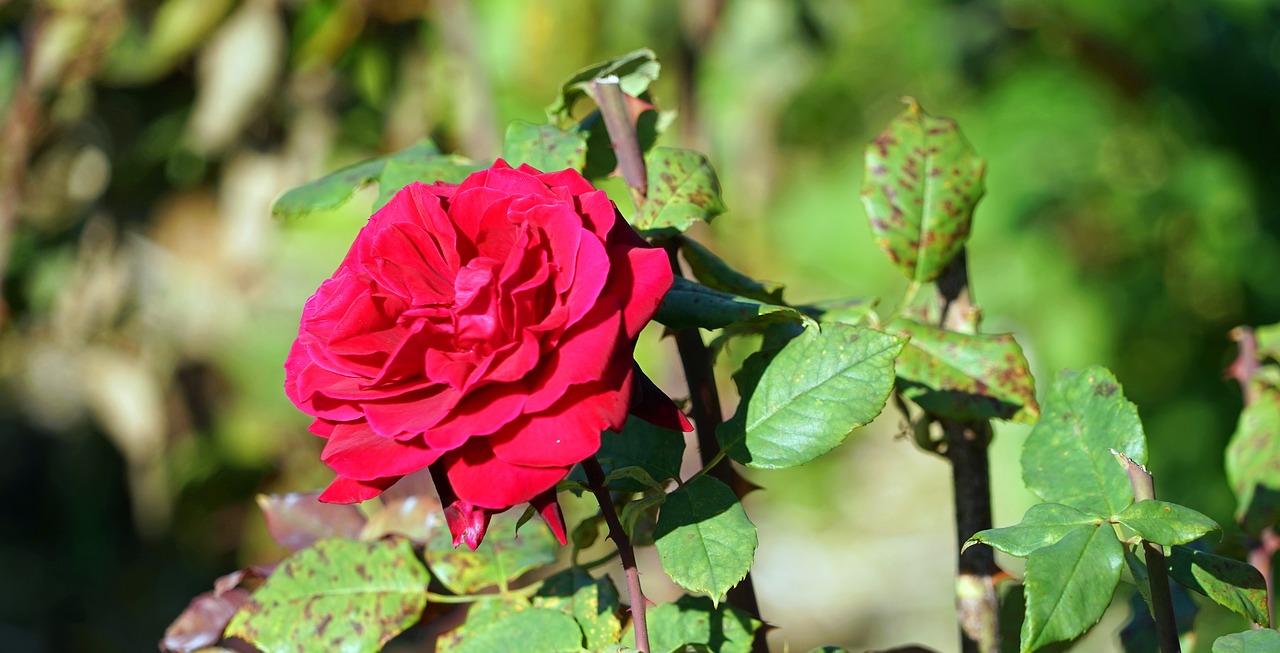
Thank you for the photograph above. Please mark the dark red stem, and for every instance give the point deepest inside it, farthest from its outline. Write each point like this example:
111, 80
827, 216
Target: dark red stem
596, 481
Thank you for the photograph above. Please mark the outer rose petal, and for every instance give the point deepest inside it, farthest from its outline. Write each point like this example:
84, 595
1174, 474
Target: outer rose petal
482, 479
549, 509
345, 490
356, 452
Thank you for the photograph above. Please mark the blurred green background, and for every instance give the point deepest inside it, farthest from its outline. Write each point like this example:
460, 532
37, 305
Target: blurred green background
149, 298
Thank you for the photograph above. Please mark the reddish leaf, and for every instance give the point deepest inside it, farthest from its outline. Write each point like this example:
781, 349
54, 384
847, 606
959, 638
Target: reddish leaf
298, 519
202, 623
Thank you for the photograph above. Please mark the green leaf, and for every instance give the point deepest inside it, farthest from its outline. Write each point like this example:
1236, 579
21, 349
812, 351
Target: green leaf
632, 476
502, 557
1268, 342
535, 630
1044, 524
713, 272
1067, 456
654, 449
847, 310
1250, 641
921, 185
821, 386
1166, 523
336, 595
646, 506
401, 172
696, 620
965, 377
547, 148
1234, 585
1253, 461
592, 602
421, 162
1069, 585
635, 71
683, 189
479, 615
704, 539
688, 305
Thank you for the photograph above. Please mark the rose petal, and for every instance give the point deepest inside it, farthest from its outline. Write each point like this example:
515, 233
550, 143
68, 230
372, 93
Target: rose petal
564, 434
345, 490
583, 354
411, 412
549, 509
356, 452
482, 479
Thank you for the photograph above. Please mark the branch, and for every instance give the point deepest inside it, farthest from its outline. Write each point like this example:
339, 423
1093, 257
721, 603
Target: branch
596, 481
1144, 489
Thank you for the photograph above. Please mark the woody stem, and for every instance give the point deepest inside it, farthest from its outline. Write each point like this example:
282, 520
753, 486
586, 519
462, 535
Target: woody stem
596, 481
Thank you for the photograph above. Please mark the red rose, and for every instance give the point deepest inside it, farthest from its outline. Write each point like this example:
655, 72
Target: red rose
484, 331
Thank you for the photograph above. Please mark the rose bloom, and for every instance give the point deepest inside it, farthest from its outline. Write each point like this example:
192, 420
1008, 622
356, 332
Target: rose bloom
484, 331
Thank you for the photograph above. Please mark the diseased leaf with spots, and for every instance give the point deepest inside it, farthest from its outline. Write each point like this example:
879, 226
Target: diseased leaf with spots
502, 557
1251, 641
1232, 584
298, 519
822, 385
695, 620
965, 377
1166, 523
593, 602
1253, 461
1068, 585
1043, 525
1067, 456
635, 70
704, 539
683, 189
714, 272
337, 595
544, 147
922, 183
421, 162
692, 305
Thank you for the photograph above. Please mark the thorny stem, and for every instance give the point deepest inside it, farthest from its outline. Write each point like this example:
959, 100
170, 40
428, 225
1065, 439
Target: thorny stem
1144, 489
704, 398
977, 605
596, 481
1263, 546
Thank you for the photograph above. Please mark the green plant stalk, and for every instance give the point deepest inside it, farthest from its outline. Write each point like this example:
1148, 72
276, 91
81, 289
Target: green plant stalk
977, 604
704, 397
596, 481
1144, 489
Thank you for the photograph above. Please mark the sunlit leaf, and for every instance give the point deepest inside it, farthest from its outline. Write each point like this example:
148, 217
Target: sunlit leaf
1067, 456
502, 557
1044, 524
821, 386
695, 620
921, 185
1251, 641
965, 377
1232, 584
1253, 461
593, 602
1069, 585
547, 148
704, 539
635, 71
535, 630
336, 595
1166, 523
683, 189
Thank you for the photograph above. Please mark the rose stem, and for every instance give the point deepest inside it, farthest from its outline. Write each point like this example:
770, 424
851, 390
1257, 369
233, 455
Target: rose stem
977, 606
596, 481
1264, 544
703, 397
1144, 489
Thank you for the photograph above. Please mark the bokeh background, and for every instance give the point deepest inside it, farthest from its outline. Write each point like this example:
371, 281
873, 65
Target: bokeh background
149, 298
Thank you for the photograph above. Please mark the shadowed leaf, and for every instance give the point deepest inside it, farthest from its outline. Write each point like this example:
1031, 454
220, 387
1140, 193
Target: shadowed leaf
695, 620
1253, 461
965, 377
202, 623
1232, 584
1253, 641
336, 595
714, 272
689, 304
592, 602
921, 185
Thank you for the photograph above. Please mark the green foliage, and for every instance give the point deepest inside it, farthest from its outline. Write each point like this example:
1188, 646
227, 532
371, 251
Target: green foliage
592, 602
965, 377
683, 189
922, 183
1253, 641
704, 539
1166, 523
654, 449
536, 630
1253, 461
1067, 459
696, 620
691, 305
1235, 585
635, 72
336, 595
715, 273
544, 147
821, 386
1069, 584
502, 557
1043, 525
